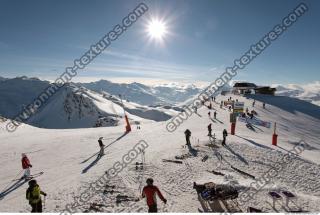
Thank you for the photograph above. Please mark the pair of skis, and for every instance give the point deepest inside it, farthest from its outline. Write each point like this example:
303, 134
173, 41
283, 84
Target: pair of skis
29, 178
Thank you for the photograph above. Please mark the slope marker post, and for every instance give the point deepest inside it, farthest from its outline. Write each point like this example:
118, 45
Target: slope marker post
274, 136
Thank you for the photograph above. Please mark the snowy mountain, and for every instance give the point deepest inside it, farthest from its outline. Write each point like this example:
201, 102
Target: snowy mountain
146, 95
308, 92
74, 107
18, 92
78, 107
70, 163
2, 79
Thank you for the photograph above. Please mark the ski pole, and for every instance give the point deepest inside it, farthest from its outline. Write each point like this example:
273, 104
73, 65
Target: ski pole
44, 203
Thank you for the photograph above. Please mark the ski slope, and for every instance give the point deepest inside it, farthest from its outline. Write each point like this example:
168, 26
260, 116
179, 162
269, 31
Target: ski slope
63, 156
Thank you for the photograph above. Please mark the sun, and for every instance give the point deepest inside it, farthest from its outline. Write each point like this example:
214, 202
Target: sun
156, 29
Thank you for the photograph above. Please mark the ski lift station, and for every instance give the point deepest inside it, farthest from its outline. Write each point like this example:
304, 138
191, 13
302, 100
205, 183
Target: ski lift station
240, 88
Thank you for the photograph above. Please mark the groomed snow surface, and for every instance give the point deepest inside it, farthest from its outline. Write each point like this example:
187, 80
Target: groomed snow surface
63, 156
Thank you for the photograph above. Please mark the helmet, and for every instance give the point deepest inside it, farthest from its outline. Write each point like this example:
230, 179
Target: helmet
149, 181
32, 182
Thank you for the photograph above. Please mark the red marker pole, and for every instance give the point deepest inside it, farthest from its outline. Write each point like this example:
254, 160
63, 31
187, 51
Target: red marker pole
233, 128
128, 127
233, 121
275, 136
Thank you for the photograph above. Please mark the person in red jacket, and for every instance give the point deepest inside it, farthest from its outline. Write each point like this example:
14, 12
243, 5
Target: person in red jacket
150, 192
26, 165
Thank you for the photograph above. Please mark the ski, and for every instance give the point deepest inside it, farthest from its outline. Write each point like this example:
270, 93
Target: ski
172, 161
216, 173
242, 172
125, 198
182, 157
30, 177
110, 191
205, 158
98, 205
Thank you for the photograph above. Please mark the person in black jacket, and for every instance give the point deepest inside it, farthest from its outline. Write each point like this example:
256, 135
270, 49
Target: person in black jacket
224, 134
187, 133
101, 145
210, 130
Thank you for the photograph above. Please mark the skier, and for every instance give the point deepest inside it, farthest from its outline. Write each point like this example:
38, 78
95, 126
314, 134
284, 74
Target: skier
33, 195
264, 105
210, 106
26, 165
209, 130
150, 192
224, 134
251, 115
188, 135
215, 115
253, 103
195, 109
214, 99
209, 114
101, 145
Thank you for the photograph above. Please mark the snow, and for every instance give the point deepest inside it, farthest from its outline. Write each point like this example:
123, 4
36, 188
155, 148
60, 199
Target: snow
60, 154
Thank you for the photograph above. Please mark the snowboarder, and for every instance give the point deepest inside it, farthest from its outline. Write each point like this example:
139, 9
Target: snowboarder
101, 145
209, 114
188, 135
150, 192
209, 130
215, 115
33, 195
26, 165
224, 134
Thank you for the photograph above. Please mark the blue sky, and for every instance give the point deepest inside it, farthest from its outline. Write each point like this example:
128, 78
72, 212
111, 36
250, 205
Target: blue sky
39, 38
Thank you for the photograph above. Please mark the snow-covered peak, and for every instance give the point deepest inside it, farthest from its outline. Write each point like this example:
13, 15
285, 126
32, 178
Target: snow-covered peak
309, 92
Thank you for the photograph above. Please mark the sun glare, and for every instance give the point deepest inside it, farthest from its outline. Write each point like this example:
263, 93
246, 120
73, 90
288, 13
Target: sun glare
156, 29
